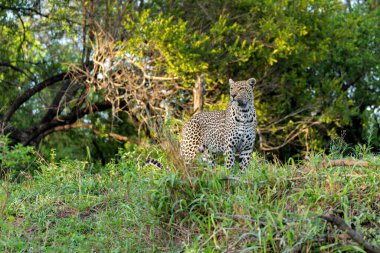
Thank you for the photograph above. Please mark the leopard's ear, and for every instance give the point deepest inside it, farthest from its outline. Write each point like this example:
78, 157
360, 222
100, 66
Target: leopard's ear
252, 82
231, 82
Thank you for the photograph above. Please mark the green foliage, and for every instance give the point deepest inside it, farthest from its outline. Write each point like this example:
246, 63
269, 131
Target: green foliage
316, 62
16, 159
161, 36
306, 54
122, 206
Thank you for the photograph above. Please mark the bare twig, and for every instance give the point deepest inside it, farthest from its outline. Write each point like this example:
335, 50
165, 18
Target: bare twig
205, 11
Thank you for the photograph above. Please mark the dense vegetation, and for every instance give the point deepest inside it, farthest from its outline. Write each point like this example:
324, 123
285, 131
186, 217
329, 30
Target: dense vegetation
125, 207
90, 89
77, 74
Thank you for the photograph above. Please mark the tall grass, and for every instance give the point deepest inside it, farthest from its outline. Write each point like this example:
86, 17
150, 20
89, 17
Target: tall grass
124, 207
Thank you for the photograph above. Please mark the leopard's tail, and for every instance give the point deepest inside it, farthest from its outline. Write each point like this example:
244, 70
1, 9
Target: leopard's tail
154, 162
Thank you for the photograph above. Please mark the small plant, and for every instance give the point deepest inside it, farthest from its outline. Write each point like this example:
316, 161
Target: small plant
17, 159
339, 147
362, 150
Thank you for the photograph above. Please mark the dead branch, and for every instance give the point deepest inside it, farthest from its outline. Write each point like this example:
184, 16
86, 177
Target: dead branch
357, 237
340, 162
128, 82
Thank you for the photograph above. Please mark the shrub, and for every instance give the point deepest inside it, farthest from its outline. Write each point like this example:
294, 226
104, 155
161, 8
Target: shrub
17, 159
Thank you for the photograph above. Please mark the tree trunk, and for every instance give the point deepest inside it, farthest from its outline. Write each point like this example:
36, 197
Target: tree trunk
198, 92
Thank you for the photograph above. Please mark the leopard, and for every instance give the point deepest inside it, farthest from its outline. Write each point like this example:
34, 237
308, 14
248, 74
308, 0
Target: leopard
231, 132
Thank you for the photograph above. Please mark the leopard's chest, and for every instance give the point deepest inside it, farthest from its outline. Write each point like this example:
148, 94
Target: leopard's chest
240, 136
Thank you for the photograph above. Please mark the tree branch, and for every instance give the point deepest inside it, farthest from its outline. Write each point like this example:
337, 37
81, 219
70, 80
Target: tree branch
26, 72
357, 237
37, 132
56, 106
287, 116
290, 137
33, 11
30, 92
7, 64
24, 32
115, 136
24, 10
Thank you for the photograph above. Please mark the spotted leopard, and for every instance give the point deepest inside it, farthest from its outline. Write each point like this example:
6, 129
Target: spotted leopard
231, 131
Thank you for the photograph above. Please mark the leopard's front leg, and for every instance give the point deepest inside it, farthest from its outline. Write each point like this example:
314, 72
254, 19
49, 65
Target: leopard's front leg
245, 158
209, 157
230, 157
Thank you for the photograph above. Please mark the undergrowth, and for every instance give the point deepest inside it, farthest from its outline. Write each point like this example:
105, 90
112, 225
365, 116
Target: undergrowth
125, 207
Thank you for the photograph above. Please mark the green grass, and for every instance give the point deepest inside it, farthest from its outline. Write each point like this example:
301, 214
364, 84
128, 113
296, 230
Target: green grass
123, 207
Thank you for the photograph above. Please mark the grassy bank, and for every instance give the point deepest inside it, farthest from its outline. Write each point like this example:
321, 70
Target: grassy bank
124, 207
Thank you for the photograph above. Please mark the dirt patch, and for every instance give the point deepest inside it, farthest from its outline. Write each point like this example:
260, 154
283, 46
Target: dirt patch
67, 211
89, 211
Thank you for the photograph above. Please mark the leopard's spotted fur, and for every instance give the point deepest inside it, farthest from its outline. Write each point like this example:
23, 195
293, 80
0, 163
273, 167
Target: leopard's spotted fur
231, 132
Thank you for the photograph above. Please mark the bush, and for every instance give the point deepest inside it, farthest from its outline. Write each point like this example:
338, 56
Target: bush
16, 159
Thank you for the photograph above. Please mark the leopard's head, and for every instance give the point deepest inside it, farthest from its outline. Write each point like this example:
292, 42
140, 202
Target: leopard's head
241, 92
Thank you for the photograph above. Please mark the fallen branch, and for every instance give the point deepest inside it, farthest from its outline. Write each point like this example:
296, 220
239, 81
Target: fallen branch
357, 237
345, 162
341, 162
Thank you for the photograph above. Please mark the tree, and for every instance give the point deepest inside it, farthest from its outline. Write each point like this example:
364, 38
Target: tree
316, 65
